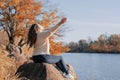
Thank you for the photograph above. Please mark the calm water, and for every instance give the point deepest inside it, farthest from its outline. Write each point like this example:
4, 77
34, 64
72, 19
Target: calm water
95, 66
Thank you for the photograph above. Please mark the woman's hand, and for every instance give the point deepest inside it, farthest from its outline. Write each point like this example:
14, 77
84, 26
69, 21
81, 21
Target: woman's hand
63, 20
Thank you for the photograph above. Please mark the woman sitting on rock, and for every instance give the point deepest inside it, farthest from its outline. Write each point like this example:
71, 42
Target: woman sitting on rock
38, 38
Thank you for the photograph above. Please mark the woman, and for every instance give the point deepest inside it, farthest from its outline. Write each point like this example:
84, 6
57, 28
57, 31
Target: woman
38, 38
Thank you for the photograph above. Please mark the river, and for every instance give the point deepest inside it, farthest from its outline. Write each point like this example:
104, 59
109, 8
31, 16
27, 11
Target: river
94, 66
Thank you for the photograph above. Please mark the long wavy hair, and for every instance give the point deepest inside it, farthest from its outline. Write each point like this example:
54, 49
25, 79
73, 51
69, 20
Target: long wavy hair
32, 35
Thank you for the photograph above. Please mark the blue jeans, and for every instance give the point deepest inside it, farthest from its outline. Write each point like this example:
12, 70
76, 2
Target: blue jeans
52, 59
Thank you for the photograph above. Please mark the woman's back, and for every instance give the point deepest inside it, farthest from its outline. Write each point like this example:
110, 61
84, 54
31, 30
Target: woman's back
42, 45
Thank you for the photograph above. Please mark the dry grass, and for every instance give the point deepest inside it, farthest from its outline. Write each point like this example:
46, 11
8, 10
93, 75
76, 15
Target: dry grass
8, 66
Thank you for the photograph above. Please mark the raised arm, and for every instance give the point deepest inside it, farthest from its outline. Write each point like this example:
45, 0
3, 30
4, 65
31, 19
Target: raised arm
55, 28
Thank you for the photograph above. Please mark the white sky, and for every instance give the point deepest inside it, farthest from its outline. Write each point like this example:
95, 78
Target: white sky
89, 18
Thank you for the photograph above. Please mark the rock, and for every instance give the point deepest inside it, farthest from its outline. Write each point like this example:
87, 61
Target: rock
41, 71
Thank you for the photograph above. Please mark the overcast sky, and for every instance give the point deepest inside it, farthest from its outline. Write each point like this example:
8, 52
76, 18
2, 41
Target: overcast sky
89, 18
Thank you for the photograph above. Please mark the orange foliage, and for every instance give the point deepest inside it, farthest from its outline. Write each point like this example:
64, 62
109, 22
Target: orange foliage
57, 47
21, 14
25, 12
49, 18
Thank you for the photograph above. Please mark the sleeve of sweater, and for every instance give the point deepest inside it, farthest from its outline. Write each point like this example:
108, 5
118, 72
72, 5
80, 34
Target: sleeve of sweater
52, 30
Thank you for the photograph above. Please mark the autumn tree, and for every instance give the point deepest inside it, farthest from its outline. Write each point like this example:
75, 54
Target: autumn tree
17, 15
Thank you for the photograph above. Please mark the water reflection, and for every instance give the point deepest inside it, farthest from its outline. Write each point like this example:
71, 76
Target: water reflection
95, 66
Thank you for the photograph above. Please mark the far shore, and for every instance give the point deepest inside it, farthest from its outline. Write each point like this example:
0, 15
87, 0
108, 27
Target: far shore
95, 52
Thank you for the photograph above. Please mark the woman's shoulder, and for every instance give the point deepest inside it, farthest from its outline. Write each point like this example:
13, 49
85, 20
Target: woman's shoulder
42, 35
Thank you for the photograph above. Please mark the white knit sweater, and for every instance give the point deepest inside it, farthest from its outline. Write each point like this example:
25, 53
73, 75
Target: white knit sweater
42, 45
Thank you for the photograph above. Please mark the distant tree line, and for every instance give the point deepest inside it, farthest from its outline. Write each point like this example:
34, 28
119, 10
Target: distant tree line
104, 44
